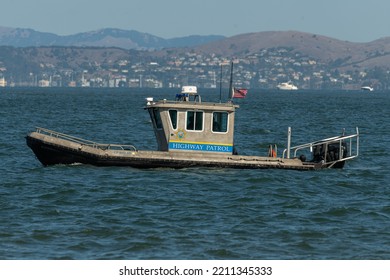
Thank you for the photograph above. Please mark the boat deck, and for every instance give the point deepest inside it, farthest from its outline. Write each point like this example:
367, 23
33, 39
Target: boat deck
52, 147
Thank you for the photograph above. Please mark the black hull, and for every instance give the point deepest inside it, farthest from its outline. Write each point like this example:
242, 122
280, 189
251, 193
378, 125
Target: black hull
50, 154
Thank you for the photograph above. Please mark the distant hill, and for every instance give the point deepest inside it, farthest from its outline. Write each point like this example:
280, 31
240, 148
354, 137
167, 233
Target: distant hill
108, 37
336, 53
325, 49
264, 58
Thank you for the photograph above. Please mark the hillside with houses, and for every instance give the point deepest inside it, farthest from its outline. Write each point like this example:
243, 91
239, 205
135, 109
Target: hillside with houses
262, 60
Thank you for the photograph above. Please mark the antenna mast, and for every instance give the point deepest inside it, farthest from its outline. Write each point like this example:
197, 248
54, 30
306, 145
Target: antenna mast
230, 94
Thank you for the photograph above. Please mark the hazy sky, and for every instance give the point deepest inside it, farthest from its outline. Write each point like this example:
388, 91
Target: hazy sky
351, 20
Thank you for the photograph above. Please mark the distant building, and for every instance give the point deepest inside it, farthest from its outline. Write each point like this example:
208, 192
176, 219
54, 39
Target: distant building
72, 84
3, 82
44, 83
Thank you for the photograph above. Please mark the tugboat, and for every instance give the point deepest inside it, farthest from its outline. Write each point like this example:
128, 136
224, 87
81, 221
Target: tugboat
191, 133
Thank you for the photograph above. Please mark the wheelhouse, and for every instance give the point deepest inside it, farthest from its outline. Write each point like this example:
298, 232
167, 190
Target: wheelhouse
190, 125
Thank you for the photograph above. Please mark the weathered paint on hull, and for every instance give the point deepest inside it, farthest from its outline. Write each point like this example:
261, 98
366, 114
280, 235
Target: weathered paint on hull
51, 150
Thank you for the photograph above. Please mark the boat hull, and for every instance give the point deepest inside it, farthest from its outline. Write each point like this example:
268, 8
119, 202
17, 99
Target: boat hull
51, 150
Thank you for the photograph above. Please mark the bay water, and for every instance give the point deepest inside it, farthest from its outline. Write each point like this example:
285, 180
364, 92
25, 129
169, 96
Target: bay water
87, 212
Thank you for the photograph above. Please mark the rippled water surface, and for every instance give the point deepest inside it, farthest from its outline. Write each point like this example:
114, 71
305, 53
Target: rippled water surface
87, 212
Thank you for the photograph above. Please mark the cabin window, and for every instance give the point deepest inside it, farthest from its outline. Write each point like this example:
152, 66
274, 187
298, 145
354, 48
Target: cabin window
157, 118
194, 120
220, 121
173, 117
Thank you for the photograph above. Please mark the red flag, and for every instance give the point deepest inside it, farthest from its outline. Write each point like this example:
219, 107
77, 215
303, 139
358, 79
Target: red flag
239, 92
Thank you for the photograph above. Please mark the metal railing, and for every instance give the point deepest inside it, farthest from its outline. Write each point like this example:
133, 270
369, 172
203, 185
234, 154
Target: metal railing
83, 141
348, 148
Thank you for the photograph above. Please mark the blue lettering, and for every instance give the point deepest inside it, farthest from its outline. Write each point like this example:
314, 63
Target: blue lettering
200, 147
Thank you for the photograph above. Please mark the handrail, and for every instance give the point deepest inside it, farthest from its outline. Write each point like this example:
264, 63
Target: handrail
353, 150
83, 141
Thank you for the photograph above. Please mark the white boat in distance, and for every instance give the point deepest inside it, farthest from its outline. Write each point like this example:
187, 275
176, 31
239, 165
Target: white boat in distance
287, 86
368, 88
